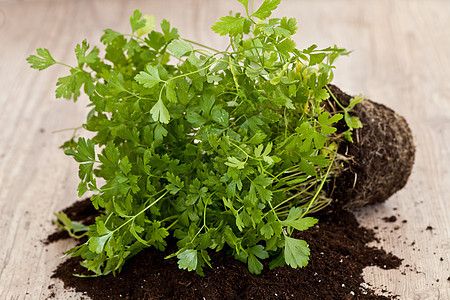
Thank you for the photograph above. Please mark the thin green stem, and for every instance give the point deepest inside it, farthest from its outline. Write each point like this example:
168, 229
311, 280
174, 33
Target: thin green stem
320, 186
204, 210
134, 36
242, 150
170, 226
273, 210
201, 45
67, 129
169, 218
334, 97
136, 215
66, 65
285, 170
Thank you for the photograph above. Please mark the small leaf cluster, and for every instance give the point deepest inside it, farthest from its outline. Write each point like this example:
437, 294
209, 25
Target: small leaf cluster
218, 149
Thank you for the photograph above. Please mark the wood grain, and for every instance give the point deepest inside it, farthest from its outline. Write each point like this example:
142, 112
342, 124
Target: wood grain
401, 58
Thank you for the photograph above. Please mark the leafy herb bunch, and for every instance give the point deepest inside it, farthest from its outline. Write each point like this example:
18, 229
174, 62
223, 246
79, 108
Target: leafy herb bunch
222, 150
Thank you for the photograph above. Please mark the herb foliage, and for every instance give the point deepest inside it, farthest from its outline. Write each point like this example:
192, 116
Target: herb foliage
221, 150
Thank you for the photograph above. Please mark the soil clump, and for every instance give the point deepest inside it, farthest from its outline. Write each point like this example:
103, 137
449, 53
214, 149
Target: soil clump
381, 156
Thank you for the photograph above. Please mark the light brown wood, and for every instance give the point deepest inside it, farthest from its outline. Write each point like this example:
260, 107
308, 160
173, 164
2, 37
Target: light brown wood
401, 58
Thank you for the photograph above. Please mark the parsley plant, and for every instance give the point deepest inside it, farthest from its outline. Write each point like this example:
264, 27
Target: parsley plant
220, 150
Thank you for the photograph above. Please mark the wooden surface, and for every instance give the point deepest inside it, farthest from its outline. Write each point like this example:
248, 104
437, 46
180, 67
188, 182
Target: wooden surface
401, 58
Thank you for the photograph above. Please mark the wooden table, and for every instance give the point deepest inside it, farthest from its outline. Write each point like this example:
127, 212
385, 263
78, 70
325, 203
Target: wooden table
401, 58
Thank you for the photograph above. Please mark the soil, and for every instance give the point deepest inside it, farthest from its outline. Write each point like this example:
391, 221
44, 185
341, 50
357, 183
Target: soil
381, 156
339, 253
381, 161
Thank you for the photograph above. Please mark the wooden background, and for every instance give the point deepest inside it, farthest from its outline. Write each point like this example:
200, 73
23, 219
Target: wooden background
401, 58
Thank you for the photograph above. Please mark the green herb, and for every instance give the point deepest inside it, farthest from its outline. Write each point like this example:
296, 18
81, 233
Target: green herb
221, 150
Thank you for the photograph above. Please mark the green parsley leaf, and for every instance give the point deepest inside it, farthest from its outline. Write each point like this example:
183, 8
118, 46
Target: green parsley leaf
188, 259
85, 151
294, 220
149, 78
72, 227
149, 25
352, 122
170, 91
245, 3
296, 252
255, 252
160, 113
43, 61
266, 8
180, 48
109, 36
231, 25
97, 243
195, 119
136, 21
233, 162
80, 52
169, 33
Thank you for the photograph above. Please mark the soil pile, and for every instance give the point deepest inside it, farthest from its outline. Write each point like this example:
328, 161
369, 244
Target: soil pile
339, 253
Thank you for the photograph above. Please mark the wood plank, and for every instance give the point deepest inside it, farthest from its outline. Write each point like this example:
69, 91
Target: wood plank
401, 58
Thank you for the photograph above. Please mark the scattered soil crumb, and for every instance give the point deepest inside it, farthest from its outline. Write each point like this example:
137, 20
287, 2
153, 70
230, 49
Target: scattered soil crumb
339, 253
429, 228
52, 294
390, 219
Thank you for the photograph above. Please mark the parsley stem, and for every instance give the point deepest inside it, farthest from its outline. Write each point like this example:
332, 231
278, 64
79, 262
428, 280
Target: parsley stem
204, 210
320, 186
191, 73
66, 65
202, 45
292, 197
334, 97
170, 226
169, 218
286, 170
246, 154
273, 210
102, 190
67, 129
143, 210
293, 187
198, 232
233, 72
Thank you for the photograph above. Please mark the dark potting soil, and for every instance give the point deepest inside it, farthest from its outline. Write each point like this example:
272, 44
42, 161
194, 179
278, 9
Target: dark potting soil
339, 253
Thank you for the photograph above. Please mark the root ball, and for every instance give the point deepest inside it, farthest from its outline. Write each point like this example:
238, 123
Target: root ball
381, 156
